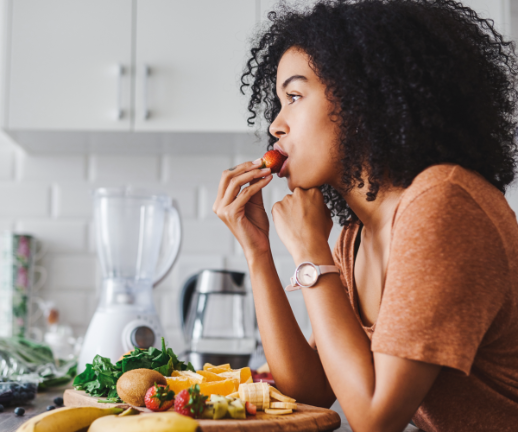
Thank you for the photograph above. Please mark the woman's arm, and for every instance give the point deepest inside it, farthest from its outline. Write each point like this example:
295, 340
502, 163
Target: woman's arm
295, 366
377, 393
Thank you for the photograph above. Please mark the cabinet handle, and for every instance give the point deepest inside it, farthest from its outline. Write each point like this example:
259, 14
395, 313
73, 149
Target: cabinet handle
119, 113
145, 74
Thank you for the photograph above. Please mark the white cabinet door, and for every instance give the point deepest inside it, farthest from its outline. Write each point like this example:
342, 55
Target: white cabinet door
64, 61
189, 58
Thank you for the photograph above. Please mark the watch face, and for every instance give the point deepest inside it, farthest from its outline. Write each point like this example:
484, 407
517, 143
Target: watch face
307, 275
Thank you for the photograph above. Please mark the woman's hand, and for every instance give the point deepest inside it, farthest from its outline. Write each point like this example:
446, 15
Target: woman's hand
242, 210
304, 223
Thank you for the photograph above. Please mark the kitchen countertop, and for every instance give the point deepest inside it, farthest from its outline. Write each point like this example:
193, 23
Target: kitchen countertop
9, 422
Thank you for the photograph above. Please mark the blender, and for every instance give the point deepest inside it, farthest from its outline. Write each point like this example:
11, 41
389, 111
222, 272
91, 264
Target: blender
138, 239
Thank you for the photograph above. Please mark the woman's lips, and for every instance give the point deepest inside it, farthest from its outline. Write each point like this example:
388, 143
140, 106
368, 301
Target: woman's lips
284, 168
282, 172
281, 151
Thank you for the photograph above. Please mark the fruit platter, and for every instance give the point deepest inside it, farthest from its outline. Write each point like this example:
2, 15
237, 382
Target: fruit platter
152, 390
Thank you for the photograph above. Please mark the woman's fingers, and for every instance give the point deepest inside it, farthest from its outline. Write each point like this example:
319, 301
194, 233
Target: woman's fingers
236, 183
247, 193
229, 174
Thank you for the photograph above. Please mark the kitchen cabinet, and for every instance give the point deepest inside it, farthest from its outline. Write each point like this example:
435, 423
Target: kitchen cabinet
69, 65
189, 59
128, 65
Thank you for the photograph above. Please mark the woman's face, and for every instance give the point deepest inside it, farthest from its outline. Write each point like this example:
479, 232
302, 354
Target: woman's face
306, 133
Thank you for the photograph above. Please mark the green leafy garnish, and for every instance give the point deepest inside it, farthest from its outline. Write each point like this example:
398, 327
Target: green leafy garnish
197, 401
99, 378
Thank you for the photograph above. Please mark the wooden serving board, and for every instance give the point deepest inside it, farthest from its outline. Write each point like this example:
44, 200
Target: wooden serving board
307, 418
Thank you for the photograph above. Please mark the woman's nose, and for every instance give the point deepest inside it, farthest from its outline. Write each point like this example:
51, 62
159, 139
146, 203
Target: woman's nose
279, 127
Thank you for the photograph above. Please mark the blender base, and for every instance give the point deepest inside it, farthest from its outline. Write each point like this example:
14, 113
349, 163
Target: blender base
110, 334
237, 361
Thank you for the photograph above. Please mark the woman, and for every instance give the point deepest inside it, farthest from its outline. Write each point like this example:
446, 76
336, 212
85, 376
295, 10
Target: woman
399, 115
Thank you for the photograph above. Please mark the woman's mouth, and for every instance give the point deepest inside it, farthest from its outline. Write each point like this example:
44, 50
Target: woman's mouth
284, 168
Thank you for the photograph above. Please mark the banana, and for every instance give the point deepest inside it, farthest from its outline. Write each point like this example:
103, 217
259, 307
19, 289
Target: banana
256, 393
129, 411
283, 405
69, 419
276, 394
278, 411
156, 422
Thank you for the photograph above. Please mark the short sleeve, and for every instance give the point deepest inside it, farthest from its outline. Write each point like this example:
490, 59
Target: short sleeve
446, 280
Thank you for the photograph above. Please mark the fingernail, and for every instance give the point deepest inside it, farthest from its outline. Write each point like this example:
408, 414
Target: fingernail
257, 161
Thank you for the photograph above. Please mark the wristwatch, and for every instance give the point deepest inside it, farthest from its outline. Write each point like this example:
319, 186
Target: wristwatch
307, 274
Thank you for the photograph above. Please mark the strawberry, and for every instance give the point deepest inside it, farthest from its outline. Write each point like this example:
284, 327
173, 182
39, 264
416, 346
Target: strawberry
190, 402
273, 159
250, 408
159, 398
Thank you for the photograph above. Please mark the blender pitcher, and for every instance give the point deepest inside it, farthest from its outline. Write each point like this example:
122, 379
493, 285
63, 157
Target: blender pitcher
131, 228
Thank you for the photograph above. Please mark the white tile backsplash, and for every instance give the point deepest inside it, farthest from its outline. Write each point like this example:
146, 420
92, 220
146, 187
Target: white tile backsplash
210, 236
206, 197
124, 169
57, 235
51, 168
24, 199
73, 199
195, 169
6, 164
72, 272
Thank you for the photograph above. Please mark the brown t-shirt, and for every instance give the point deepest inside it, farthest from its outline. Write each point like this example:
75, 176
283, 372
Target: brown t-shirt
451, 297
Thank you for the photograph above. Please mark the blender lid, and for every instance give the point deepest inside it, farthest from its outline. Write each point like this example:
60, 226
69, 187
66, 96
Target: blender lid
130, 192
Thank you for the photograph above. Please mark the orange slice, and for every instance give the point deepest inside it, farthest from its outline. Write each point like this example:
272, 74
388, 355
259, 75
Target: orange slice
222, 388
233, 375
223, 367
210, 376
177, 384
197, 378
246, 374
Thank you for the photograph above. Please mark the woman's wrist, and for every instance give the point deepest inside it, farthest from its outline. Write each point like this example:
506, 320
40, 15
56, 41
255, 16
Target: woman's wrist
319, 256
257, 258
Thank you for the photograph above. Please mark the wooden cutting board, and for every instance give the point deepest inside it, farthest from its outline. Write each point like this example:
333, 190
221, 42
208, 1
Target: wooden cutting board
307, 418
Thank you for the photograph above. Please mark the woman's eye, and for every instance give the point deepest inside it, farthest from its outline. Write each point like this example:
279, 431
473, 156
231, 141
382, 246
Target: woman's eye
291, 97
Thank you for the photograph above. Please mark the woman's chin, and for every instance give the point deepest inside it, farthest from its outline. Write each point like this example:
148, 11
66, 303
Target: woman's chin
293, 183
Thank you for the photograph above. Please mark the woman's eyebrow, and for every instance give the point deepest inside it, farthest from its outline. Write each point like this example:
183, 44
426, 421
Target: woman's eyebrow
293, 78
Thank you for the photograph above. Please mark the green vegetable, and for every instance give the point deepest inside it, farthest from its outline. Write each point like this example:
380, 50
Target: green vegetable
100, 377
21, 357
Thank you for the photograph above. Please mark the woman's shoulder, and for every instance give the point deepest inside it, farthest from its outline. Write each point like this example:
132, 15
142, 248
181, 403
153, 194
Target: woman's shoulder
447, 185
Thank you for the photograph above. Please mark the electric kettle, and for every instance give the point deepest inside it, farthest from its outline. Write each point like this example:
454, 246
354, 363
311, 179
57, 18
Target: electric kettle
218, 319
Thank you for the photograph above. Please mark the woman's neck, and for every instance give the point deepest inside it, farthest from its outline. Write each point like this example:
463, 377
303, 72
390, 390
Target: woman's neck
375, 215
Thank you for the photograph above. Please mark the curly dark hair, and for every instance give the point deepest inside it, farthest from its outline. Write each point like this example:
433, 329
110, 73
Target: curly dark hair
414, 82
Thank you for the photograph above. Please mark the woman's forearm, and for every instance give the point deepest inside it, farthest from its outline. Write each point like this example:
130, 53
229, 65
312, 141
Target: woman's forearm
343, 346
295, 366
